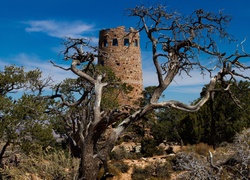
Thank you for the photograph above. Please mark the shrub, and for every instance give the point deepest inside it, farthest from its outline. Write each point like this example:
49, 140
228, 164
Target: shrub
55, 165
121, 153
118, 154
140, 173
161, 170
122, 166
153, 171
202, 149
30, 148
113, 170
148, 147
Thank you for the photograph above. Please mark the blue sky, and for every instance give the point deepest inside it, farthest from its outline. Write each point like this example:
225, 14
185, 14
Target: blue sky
32, 32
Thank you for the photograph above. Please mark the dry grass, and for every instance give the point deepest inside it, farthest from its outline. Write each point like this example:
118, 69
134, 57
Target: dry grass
232, 160
56, 165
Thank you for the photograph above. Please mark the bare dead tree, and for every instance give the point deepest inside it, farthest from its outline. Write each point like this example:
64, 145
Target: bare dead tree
176, 43
241, 159
183, 39
235, 166
194, 167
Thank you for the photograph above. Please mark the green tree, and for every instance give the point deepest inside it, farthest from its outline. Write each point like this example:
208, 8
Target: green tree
224, 115
167, 125
21, 108
191, 129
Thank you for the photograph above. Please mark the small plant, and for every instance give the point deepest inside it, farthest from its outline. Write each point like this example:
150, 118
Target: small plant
148, 147
202, 149
153, 171
162, 170
119, 154
113, 170
122, 166
55, 165
140, 173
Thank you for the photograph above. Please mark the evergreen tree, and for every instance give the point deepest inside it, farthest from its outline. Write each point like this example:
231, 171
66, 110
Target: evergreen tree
220, 118
22, 116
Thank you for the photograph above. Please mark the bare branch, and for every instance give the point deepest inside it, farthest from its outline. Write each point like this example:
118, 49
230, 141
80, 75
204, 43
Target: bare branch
65, 69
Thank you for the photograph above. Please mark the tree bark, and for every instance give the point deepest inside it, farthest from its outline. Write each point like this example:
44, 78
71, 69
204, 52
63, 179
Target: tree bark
89, 162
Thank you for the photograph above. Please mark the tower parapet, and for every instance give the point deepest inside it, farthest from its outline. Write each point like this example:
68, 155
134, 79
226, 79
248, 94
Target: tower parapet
123, 56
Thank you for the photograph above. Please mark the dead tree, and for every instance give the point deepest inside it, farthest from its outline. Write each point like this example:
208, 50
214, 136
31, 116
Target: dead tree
176, 43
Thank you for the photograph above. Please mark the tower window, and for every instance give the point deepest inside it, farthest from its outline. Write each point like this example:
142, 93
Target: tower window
117, 63
115, 42
136, 42
126, 42
105, 43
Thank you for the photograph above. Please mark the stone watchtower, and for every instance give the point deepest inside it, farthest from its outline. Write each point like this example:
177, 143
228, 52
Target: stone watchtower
123, 55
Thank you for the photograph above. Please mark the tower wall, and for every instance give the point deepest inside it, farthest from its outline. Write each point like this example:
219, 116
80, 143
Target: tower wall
123, 55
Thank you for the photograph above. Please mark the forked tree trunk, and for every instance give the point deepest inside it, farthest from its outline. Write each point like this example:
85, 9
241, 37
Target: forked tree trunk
90, 163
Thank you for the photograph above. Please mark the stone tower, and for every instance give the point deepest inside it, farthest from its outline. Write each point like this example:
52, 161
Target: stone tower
123, 55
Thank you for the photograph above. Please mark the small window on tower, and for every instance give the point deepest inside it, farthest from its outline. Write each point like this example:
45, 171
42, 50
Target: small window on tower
105, 43
115, 42
136, 42
126, 42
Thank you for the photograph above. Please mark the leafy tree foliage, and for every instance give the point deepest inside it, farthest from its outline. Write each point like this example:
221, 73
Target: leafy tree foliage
217, 121
21, 108
191, 129
223, 118
167, 125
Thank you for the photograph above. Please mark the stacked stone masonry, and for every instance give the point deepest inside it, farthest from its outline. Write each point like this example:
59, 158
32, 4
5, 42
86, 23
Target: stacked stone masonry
122, 53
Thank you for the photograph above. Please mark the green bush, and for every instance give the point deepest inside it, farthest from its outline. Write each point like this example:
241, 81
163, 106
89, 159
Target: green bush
140, 173
118, 154
121, 153
148, 147
56, 165
122, 166
162, 170
153, 171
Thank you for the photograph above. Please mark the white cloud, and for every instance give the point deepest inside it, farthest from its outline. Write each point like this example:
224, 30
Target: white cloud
186, 89
150, 78
31, 62
195, 78
74, 29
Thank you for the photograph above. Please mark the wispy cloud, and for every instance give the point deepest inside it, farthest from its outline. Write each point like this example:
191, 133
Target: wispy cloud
150, 76
31, 62
74, 29
185, 84
196, 79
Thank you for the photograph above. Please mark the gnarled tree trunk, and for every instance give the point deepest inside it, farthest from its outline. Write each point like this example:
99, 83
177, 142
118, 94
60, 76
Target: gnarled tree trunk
89, 162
